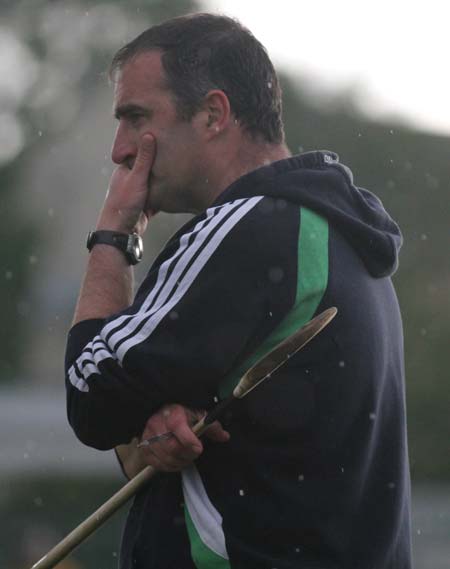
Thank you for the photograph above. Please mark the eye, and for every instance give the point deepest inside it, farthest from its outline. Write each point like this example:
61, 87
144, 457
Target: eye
134, 118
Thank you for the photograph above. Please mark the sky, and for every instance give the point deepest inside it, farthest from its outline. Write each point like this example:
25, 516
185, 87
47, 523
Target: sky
393, 54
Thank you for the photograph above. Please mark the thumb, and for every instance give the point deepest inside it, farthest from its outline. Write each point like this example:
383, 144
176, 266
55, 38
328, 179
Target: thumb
145, 157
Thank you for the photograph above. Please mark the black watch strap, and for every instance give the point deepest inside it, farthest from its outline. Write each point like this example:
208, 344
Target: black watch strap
129, 244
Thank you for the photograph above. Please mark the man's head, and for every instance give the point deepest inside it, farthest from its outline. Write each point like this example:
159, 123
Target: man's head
202, 52
206, 90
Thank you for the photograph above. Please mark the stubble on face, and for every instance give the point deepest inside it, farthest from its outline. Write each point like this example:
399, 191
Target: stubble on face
145, 104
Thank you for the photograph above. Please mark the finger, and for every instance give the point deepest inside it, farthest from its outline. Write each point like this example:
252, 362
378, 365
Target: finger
145, 156
186, 438
166, 462
217, 433
179, 421
162, 463
174, 454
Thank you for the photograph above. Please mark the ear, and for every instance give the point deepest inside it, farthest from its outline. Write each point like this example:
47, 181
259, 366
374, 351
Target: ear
216, 112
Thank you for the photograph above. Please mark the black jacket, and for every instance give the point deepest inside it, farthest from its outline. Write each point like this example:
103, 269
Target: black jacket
316, 471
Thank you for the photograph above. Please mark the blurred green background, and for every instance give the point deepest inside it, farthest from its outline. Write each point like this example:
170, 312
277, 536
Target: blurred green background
56, 130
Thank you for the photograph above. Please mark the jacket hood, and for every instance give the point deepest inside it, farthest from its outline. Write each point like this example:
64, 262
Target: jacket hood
318, 181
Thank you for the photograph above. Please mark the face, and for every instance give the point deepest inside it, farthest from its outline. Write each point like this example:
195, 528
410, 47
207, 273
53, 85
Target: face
143, 104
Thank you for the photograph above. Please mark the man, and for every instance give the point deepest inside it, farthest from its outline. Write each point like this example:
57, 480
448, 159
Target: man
311, 470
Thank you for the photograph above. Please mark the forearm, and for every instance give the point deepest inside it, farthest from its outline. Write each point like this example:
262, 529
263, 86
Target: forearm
108, 283
107, 286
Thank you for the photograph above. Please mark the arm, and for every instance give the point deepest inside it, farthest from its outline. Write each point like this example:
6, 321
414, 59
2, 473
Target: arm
108, 283
187, 328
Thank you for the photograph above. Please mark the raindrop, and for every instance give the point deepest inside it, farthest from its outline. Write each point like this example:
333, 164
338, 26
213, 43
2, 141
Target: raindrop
32, 259
270, 314
391, 131
301, 149
174, 315
297, 550
276, 274
38, 501
342, 363
390, 184
216, 399
301, 477
423, 331
419, 532
342, 469
359, 134
241, 493
8, 275
269, 84
391, 485
166, 412
39, 132
114, 553
423, 237
432, 181
372, 416
51, 212
23, 308
26, 455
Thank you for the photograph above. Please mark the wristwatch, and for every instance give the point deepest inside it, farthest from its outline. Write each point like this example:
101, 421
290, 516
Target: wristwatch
130, 245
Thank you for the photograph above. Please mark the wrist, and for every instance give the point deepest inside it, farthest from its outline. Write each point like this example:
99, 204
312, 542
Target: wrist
130, 244
122, 221
114, 221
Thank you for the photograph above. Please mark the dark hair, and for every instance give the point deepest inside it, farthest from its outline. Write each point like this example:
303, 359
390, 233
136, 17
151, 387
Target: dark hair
201, 52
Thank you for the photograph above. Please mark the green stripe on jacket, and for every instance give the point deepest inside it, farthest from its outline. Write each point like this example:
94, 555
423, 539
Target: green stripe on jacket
312, 281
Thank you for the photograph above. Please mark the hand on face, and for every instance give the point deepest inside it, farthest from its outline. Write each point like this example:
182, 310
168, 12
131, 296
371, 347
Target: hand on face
180, 450
126, 206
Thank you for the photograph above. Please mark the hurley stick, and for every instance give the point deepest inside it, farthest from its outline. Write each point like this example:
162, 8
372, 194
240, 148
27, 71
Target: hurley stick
262, 370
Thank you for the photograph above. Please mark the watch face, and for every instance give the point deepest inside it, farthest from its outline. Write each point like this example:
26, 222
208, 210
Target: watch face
138, 250
135, 248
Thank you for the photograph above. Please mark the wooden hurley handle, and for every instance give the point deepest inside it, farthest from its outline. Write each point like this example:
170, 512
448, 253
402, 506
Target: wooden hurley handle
95, 520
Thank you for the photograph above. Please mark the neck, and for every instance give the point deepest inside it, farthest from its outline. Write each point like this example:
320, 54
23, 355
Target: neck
229, 166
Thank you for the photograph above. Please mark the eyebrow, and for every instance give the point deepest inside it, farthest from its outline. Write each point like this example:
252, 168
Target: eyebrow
124, 111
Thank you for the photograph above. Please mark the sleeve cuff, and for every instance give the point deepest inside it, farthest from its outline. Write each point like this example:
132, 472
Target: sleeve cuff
80, 335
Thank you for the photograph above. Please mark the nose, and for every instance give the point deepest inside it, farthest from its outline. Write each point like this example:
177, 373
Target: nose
123, 149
